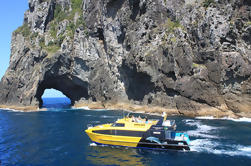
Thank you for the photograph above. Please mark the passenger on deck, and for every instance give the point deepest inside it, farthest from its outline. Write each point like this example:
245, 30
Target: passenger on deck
133, 119
139, 120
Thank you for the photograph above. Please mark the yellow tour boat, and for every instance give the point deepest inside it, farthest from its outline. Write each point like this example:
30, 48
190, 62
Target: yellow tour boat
134, 131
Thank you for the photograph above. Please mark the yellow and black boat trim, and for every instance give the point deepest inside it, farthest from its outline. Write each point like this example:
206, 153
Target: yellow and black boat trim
144, 133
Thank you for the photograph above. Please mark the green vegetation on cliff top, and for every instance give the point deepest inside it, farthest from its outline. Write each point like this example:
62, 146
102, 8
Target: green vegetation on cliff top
24, 30
60, 14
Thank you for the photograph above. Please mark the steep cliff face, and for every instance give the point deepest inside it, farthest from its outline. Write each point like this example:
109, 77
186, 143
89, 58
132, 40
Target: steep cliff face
186, 55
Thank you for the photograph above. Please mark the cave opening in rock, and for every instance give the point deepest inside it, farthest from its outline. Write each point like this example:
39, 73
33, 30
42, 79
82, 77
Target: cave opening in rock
137, 84
53, 98
72, 87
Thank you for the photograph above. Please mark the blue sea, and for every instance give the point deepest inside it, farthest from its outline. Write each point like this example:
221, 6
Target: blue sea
56, 138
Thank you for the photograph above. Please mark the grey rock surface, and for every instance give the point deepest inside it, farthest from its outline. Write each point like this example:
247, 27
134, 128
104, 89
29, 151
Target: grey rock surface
168, 53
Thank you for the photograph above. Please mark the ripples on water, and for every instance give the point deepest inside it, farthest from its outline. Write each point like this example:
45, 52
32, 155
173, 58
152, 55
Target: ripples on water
56, 137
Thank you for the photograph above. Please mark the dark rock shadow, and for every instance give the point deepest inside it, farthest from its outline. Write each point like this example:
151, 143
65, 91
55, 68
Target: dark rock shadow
137, 84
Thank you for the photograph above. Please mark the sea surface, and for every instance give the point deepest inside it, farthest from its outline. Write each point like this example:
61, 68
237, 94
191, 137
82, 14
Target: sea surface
56, 138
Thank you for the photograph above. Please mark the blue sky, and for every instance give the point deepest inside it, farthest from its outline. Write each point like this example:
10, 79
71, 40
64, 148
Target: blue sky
11, 17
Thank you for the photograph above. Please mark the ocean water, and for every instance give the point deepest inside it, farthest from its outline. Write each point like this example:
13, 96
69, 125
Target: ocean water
56, 138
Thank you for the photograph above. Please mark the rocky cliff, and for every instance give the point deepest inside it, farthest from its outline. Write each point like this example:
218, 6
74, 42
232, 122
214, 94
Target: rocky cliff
183, 55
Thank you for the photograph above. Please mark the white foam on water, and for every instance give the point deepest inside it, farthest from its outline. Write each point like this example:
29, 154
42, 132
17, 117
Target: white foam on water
208, 142
188, 120
11, 110
244, 119
14, 110
202, 145
205, 117
80, 108
211, 146
238, 120
197, 133
106, 116
101, 110
237, 151
87, 108
245, 148
93, 144
202, 130
88, 115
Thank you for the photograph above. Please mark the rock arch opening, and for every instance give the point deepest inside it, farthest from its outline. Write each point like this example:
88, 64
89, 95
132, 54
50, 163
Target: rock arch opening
55, 99
72, 87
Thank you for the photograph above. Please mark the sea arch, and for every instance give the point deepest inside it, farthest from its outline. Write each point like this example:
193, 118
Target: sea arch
72, 87
53, 98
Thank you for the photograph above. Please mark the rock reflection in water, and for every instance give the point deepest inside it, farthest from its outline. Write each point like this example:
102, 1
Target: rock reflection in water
107, 155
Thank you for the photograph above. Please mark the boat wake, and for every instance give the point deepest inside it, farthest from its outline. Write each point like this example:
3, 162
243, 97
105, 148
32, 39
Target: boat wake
202, 131
210, 146
207, 141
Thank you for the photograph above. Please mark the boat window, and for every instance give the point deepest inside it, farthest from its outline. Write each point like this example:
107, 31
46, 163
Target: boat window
118, 125
109, 132
121, 132
129, 133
